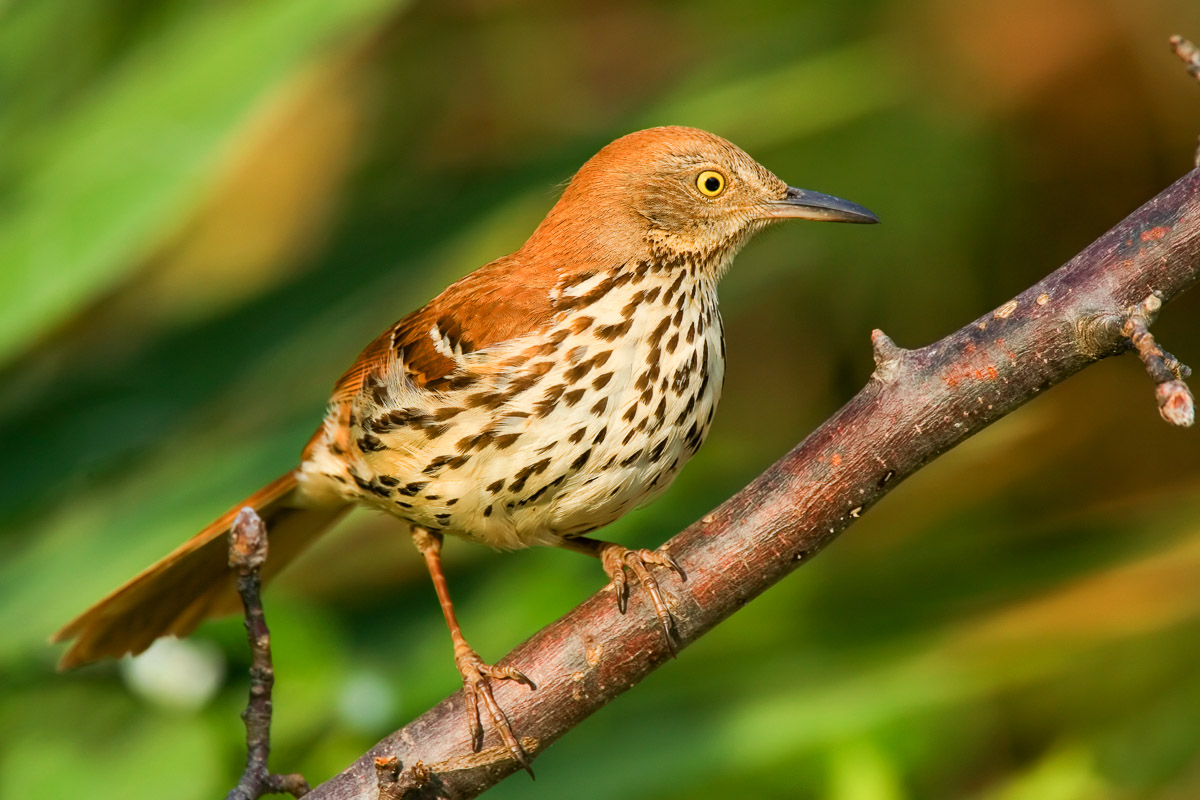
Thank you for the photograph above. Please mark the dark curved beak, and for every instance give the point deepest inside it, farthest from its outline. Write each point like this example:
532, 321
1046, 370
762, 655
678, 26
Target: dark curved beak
805, 204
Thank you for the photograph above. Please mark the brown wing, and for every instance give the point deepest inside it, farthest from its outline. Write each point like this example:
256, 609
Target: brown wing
497, 302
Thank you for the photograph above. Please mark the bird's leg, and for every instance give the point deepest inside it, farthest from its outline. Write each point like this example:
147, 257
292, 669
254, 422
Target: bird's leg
476, 675
616, 559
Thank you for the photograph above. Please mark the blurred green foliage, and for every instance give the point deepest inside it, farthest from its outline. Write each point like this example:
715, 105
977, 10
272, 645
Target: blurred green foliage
207, 208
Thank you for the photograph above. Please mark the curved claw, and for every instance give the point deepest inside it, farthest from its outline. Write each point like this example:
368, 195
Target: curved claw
477, 677
616, 559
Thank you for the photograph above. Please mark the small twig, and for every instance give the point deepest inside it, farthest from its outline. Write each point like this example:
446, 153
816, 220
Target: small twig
395, 783
1175, 402
1190, 55
247, 553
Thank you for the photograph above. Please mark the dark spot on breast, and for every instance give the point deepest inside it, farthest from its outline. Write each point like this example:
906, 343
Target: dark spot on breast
403, 504
526, 380
600, 435
454, 382
550, 399
370, 443
658, 333
478, 441
630, 412
432, 497
527, 472
451, 501
612, 332
487, 512
573, 397
675, 286
581, 459
599, 406
691, 405
657, 451
533, 498
673, 342
443, 414
567, 303
438, 463
504, 440
581, 324
601, 381
484, 400
496, 486
652, 294
576, 372
388, 480
434, 431
411, 489
396, 418
577, 436
634, 301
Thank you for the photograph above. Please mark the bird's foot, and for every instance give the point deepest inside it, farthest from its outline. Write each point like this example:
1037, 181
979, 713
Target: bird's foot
477, 689
617, 559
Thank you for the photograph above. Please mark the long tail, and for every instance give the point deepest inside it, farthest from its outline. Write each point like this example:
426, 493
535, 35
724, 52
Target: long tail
193, 582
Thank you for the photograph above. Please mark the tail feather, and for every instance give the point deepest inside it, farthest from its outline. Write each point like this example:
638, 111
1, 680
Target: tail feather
194, 581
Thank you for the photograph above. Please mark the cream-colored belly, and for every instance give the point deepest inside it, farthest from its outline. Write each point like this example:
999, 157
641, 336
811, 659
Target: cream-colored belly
599, 426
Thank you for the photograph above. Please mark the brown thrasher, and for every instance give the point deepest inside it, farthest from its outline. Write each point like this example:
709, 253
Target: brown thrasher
535, 400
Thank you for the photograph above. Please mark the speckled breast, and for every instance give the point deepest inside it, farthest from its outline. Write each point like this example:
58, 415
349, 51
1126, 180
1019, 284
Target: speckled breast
555, 433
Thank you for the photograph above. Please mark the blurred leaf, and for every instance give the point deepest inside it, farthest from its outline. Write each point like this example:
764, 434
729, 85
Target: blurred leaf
108, 178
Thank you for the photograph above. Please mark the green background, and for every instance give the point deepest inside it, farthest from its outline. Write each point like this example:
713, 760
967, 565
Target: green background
208, 208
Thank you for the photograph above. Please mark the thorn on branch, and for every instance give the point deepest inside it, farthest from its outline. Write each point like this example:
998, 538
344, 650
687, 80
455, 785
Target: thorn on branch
247, 553
887, 355
1175, 402
395, 783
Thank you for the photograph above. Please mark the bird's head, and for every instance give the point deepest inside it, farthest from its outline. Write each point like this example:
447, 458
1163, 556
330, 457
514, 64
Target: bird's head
676, 194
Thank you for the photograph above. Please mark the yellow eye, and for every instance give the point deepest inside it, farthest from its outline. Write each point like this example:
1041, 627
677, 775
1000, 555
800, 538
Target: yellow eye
710, 183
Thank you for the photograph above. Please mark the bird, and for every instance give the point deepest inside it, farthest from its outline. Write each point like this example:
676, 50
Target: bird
532, 402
